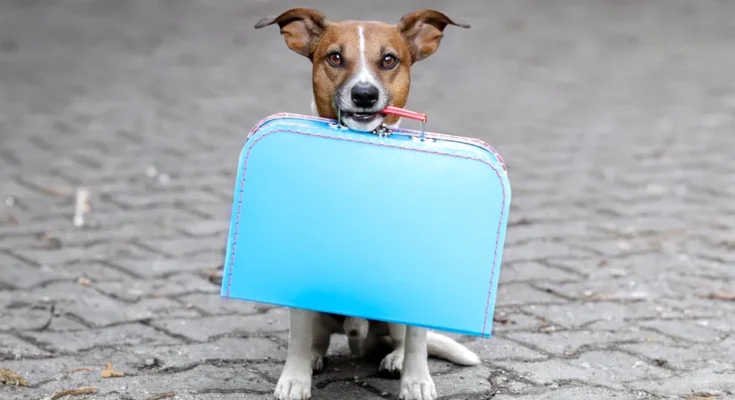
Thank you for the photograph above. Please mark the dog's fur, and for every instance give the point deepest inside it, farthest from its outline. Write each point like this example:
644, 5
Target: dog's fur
359, 68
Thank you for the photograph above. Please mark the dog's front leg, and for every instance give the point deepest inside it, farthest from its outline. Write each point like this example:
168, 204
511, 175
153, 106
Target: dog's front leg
392, 363
295, 380
416, 382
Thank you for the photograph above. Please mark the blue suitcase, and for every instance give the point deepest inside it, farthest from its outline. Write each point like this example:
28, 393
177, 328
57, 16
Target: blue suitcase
406, 228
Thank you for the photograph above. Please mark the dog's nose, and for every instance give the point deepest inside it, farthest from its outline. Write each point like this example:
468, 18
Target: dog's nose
365, 95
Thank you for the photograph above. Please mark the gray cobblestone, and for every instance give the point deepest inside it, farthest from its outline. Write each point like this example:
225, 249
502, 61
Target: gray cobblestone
718, 382
178, 357
128, 334
616, 133
11, 347
689, 330
158, 267
579, 314
172, 286
570, 342
577, 393
503, 349
204, 329
605, 368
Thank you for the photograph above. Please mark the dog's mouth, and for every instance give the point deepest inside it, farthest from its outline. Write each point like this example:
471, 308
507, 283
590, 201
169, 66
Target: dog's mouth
362, 117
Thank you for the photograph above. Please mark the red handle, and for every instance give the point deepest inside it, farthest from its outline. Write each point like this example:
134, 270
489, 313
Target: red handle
404, 113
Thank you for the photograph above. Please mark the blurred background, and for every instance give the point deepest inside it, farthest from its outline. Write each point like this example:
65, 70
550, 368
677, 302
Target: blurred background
616, 120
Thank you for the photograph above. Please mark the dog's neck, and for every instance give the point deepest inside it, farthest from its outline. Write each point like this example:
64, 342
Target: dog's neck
316, 114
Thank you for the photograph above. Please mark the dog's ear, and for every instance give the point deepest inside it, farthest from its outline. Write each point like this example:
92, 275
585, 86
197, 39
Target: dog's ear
423, 30
301, 28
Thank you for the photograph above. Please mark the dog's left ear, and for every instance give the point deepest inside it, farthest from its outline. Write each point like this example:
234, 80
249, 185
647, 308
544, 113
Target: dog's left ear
423, 30
301, 28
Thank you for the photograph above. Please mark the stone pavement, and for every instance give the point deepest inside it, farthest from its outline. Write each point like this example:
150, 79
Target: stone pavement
616, 118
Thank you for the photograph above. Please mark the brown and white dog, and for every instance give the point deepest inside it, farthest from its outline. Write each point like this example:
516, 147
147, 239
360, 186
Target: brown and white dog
359, 68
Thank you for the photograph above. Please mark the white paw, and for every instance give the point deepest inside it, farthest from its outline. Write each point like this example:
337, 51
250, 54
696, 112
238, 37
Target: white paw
317, 362
293, 387
393, 362
417, 388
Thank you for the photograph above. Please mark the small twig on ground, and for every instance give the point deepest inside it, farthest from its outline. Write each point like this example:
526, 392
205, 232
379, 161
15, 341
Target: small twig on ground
73, 392
80, 369
701, 396
721, 295
108, 372
162, 396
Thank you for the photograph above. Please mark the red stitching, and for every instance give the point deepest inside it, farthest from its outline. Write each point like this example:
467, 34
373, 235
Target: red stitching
245, 167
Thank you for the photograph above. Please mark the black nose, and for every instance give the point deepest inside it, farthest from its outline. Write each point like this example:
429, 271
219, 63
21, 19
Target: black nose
365, 95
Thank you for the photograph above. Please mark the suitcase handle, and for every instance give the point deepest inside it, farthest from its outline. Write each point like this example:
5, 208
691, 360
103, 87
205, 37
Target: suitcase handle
401, 112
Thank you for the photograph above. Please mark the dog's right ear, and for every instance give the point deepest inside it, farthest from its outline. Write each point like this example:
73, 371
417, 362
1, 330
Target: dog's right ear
301, 28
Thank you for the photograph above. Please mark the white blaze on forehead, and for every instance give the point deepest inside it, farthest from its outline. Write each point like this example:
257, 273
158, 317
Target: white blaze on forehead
364, 76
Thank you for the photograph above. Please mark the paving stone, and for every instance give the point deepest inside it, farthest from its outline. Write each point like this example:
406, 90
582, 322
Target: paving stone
575, 393
124, 232
203, 329
182, 247
496, 348
579, 314
14, 272
12, 347
218, 228
83, 302
99, 252
717, 381
540, 250
688, 330
121, 335
64, 324
553, 232
149, 199
162, 216
534, 271
510, 319
201, 379
169, 287
177, 357
161, 308
85, 366
158, 267
217, 305
685, 357
23, 318
607, 368
569, 342
513, 294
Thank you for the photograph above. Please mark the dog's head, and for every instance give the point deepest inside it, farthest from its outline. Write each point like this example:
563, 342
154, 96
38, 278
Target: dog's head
360, 67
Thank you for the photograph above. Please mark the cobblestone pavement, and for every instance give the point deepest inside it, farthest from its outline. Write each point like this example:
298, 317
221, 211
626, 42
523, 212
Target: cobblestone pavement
616, 118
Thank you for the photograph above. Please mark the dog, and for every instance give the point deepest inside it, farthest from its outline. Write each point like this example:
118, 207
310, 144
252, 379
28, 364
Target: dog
359, 68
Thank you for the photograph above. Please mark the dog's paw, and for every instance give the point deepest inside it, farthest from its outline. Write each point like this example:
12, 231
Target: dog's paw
392, 364
317, 362
293, 387
417, 388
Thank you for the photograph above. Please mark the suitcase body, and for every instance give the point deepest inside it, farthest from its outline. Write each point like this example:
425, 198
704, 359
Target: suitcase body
395, 228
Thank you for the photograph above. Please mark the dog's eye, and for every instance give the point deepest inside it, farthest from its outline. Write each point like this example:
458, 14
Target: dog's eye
389, 61
334, 59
